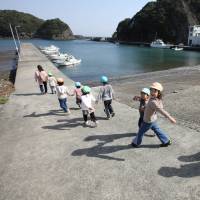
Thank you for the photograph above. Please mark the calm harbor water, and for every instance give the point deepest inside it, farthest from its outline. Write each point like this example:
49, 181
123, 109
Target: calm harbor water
7, 56
101, 58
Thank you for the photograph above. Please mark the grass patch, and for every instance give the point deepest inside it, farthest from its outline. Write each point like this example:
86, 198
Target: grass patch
3, 99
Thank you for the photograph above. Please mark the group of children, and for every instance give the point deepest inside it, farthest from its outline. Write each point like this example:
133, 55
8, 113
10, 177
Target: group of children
150, 103
84, 97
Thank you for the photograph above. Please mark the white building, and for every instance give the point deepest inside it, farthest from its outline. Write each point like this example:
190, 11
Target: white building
194, 35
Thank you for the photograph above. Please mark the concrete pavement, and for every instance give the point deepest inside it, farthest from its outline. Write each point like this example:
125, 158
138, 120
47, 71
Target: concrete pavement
46, 154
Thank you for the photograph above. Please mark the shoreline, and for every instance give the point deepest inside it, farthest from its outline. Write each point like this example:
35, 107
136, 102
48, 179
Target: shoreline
8, 68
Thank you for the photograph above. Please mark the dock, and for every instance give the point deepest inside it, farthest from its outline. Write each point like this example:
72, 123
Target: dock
48, 155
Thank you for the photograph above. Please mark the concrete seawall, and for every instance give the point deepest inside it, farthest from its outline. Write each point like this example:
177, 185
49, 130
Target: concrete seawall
46, 154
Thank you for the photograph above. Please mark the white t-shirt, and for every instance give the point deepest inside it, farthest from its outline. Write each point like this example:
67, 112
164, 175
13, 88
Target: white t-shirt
86, 101
52, 81
62, 91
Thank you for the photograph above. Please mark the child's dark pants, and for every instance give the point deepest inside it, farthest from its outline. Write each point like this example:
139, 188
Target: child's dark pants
85, 116
108, 107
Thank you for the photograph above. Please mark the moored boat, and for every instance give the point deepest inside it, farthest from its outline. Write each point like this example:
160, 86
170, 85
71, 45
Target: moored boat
159, 44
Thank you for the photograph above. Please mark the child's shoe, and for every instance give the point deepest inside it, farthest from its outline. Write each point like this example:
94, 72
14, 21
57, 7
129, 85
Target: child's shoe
96, 123
113, 114
167, 144
86, 123
134, 145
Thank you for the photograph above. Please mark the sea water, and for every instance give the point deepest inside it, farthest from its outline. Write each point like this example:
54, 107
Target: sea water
114, 60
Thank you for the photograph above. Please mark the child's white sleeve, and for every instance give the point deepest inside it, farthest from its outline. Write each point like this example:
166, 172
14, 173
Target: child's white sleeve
93, 98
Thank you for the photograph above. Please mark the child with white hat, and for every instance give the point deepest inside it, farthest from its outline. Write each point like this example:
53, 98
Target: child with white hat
150, 117
143, 99
52, 83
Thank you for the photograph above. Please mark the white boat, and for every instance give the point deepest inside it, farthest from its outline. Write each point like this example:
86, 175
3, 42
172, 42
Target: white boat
59, 62
159, 44
178, 48
50, 50
59, 56
70, 61
51, 47
61, 59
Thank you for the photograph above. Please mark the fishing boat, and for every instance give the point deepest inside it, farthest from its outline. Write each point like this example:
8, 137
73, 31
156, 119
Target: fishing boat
178, 48
70, 61
50, 50
61, 59
159, 44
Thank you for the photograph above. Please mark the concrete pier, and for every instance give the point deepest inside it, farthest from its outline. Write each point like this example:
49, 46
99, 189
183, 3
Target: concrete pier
48, 155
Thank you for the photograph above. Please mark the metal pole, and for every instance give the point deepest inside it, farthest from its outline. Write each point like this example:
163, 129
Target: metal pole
18, 36
20, 50
14, 40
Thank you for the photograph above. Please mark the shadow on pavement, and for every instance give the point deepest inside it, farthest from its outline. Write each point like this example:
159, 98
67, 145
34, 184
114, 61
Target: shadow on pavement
46, 114
108, 138
191, 158
70, 123
73, 108
81, 119
100, 151
28, 94
185, 171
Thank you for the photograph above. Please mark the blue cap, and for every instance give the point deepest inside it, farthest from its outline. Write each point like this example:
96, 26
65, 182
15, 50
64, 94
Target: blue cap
77, 84
104, 79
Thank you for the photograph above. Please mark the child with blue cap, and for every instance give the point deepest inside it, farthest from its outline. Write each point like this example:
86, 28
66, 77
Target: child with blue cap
106, 94
77, 92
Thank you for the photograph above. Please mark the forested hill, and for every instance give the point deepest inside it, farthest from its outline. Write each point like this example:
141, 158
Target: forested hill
31, 26
165, 19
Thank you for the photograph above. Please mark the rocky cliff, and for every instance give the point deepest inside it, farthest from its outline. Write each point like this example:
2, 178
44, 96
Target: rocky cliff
28, 23
165, 19
31, 26
54, 29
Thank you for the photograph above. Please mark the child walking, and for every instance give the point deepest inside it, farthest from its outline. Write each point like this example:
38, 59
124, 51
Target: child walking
52, 83
62, 92
143, 99
41, 77
77, 92
106, 94
150, 117
86, 105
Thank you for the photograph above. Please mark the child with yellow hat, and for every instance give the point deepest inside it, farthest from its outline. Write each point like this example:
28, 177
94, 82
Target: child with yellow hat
62, 92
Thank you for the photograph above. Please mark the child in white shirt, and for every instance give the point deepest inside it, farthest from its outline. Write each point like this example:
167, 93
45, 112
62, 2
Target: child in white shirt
52, 83
86, 105
62, 92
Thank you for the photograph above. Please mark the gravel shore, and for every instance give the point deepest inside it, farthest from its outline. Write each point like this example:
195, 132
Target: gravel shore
181, 92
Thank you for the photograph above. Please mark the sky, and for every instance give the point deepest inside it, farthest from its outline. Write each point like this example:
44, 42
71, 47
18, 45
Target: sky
84, 17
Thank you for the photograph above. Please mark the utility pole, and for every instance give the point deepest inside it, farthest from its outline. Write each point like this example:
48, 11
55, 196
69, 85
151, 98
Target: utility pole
20, 50
14, 40
18, 36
